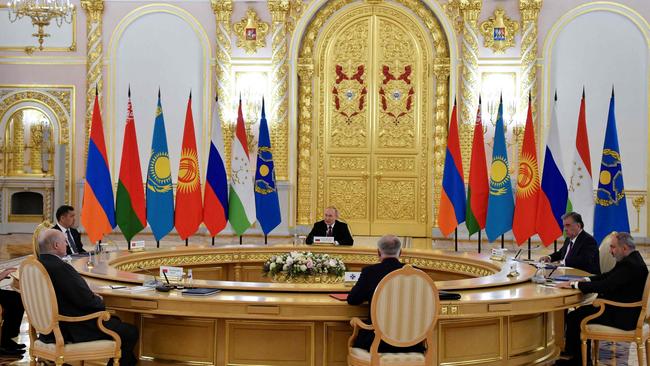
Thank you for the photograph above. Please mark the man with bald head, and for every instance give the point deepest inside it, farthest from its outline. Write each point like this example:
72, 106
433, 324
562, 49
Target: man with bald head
75, 298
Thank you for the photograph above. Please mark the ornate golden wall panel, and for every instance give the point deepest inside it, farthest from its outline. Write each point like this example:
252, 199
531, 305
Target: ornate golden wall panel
369, 102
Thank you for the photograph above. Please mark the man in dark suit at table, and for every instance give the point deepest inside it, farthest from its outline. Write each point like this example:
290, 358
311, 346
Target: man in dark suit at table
388, 250
624, 283
65, 220
331, 226
12, 316
75, 298
580, 249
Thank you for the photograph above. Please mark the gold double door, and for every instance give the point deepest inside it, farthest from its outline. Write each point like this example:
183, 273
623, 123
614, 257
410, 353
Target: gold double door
374, 107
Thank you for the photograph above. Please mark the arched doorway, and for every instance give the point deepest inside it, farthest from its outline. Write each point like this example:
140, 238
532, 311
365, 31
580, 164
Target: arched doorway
369, 103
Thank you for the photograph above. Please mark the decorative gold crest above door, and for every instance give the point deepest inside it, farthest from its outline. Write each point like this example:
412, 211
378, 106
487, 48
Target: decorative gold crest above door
499, 31
251, 32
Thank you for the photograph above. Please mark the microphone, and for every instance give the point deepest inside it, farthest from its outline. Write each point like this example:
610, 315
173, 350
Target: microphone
518, 253
156, 283
165, 287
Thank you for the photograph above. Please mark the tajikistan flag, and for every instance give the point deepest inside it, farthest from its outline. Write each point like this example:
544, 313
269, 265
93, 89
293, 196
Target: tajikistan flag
241, 203
581, 186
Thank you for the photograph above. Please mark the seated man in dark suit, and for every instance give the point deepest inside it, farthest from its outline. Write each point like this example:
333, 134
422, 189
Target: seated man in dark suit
331, 226
580, 249
624, 283
388, 250
75, 298
12, 316
65, 220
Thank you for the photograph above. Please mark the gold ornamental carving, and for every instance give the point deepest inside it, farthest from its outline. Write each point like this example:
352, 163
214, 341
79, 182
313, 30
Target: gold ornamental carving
346, 163
222, 11
94, 55
398, 206
60, 102
349, 197
529, 10
499, 31
394, 164
251, 32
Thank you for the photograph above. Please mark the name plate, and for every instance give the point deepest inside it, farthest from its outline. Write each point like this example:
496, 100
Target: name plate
498, 254
173, 273
137, 245
323, 240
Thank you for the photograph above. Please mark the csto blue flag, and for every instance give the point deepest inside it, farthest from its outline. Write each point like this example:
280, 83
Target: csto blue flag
160, 194
610, 213
501, 204
267, 204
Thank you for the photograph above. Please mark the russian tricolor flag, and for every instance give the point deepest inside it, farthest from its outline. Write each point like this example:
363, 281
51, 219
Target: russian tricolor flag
452, 197
98, 207
215, 205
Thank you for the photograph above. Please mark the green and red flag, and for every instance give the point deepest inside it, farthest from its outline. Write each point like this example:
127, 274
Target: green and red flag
478, 188
130, 209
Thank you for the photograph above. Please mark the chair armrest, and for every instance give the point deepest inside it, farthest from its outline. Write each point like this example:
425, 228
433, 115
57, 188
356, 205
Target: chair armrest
103, 315
356, 322
602, 304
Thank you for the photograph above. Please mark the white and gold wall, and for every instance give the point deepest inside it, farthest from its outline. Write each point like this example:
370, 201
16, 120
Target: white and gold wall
194, 45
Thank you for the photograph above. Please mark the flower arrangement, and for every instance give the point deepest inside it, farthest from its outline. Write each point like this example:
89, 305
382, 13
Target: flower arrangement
303, 264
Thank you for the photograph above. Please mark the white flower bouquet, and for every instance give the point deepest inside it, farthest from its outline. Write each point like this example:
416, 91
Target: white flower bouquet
303, 264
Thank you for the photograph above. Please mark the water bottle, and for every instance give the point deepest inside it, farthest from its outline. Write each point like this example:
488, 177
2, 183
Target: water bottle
539, 274
189, 278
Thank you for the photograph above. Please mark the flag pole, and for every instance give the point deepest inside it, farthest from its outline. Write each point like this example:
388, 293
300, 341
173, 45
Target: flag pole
456, 239
240, 240
480, 240
266, 239
128, 245
157, 243
213, 241
555, 245
187, 242
503, 242
529, 249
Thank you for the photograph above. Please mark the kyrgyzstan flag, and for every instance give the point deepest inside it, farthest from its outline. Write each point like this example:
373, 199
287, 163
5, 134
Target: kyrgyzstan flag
524, 224
131, 212
188, 213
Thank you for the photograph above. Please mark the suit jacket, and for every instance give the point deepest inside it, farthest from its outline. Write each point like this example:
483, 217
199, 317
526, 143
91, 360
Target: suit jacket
79, 247
583, 254
74, 298
370, 278
624, 283
340, 230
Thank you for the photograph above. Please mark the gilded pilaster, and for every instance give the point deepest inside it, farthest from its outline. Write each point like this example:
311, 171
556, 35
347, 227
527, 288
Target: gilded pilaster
279, 83
304, 199
529, 13
18, 143
470, 84
222, 12
441, 72
94, 55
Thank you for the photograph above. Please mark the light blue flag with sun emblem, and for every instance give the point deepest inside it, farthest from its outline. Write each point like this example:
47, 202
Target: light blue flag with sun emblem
501, 204
267, 204
610, 213
160, 194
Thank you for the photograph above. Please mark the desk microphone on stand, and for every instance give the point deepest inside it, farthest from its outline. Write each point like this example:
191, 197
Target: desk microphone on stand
165, 287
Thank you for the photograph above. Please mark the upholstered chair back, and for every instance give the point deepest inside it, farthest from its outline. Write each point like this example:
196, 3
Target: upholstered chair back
38, 295
607, 262
405, 307
42, 226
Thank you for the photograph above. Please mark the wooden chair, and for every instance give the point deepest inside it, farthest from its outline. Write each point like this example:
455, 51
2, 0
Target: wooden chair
43, 315
599, 332
404, 312
42, 226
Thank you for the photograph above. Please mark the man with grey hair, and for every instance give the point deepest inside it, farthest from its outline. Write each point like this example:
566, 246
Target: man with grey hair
624, 283
388, 250
75, 298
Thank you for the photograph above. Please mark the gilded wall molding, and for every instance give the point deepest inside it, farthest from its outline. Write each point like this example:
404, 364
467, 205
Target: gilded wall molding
94, 56
529, 14
222, 12
470, 81
280, 10
60, 102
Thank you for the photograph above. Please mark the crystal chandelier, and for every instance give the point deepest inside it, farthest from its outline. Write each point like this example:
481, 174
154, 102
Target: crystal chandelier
42, 12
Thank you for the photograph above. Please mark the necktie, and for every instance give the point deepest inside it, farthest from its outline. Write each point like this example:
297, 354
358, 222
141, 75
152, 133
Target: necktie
329, 230
568, 250
71, 243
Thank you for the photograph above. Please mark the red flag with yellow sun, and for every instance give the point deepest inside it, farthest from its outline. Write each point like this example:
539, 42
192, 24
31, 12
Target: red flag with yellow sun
188, 213
528, 186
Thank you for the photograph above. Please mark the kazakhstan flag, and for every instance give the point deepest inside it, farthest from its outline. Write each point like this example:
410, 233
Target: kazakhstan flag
610, 213
267, 204
160, 194
501, 204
